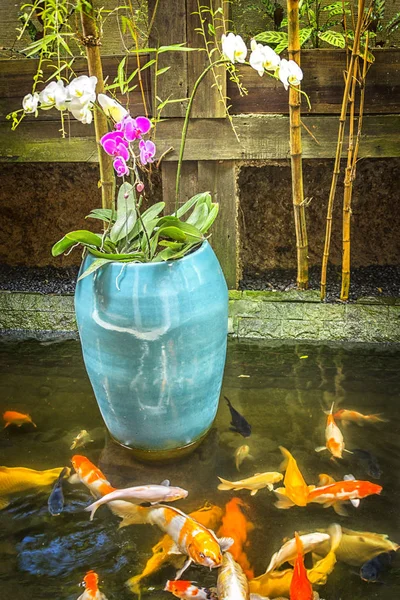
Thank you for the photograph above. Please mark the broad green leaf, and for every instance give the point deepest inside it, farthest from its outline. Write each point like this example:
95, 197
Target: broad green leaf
104, 214
211, 218
126, 213
199, 215
192, 233
281, 47
172, 232
191, 202
81, 236
169, 254
118, 257
96, 264
305, 35
147, 217
333, 38
168, 244
272, 37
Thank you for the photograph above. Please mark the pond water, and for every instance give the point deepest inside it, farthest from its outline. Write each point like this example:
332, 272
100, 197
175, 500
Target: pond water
282, 390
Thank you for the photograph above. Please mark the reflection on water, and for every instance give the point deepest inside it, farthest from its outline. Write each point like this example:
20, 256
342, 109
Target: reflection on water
281, 389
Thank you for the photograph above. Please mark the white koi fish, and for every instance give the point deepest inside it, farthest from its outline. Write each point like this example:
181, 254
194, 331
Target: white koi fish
288, 552
232, 583
255, 483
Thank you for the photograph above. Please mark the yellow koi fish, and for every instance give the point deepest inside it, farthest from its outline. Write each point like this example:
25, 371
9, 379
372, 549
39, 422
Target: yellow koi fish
240, 454
19, 479
255, 483
295, 490
232, 583
210, 516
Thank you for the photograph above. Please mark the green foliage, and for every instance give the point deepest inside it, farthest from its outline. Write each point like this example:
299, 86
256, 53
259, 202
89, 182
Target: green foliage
131, 237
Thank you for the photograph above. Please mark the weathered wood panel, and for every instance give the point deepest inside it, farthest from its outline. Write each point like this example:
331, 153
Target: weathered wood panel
323, 82
262, 137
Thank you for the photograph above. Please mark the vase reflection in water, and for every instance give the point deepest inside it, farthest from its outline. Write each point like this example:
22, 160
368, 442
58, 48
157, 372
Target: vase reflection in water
154, 340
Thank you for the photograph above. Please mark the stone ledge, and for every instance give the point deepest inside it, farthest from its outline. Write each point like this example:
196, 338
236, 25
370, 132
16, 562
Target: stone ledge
260, 315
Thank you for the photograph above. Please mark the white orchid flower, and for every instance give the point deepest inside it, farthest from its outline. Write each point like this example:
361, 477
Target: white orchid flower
290, 73
81, 112
83, 89
263, 58
112, 108
30, 103
54, 94
234, 47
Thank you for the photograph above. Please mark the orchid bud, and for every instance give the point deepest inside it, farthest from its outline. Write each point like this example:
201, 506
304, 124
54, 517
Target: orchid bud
140, 187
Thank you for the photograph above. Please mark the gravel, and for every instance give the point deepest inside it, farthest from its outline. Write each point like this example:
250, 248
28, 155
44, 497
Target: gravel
44, 280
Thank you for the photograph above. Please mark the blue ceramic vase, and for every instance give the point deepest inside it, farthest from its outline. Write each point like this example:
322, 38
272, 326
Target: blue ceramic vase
154, 344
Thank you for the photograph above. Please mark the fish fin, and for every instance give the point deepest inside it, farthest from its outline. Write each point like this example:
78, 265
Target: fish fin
270, 486
74, 479
234, 430
7, 425
225, 484
324, 479
4, 502
320, 448
283, 501
134, 584
174, 549
228, 401
92, 509
340, 509
225, 543
355, 502
349, 477
331, 411
166, 482
348, 451
286, 457
187, 564
335, 532
272, 563
253, 492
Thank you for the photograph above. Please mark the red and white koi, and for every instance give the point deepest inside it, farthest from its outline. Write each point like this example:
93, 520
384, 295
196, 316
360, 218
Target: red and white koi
92, 591
188, 590
351, 489
333, 437
352, 416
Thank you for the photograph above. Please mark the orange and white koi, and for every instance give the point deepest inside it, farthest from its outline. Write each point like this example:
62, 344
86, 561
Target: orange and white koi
235, 525
334, 438
352, 416
300, 587
92, 591
141, 493
88, 474
12, 417
336, 493
232, 583
188, 590
295, 490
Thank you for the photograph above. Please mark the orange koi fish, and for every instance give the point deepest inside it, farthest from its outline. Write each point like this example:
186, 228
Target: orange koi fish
351, 489
11, 417
235, 525
333, 437
187, 590
92, 591
300, 587
295, 490
352, 416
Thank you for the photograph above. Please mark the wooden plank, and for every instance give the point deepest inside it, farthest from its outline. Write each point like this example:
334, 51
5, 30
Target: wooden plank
262, 137
170, 28
219, 177
208, 99
323, 82
16, 81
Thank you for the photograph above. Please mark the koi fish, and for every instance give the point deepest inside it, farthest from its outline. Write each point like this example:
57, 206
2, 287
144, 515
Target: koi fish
300, 586
295, 490
56, 498
289, 550
81, 439
141, 493
352, 416
188, 590
238, 423
277, 583
240, 454
255, 483
235, 525
368, 461
210, 516
92, 591
232, 583
11, 417
333, 437
19, 479
371, 570
350, 489
358, 547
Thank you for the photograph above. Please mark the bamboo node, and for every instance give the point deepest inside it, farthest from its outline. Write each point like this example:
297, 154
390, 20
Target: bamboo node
90, 40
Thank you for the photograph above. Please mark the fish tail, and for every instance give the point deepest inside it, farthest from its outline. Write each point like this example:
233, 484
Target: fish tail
93, 507
133, 584
335, 531
339, 509
299, 544
225, 484
137, 515
377, 418
331, 411
286, 457
228, 401
7, 424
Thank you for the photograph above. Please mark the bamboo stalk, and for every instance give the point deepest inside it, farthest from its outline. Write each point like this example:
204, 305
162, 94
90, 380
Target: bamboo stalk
92, 44
339, 147
296, 151
348, 190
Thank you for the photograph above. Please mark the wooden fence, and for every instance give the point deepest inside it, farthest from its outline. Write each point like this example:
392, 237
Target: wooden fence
213, 154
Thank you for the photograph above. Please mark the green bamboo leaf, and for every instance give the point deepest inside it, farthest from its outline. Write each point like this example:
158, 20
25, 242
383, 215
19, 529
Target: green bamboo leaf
333, 38
161, 71
126, 213
121, 74
81, 236
96, 264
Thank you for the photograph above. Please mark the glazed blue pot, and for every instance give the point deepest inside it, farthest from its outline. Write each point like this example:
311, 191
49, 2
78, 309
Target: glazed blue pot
154, 344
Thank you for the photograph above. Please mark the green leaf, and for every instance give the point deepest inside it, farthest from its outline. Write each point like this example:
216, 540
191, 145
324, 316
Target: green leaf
126, 213
203, 196
199, 215
172, 232
211, 218
104, 214
121, 74
96, 264
161, 71
169, 254
272, 37
117, 257
333, 38
81, 236
281, 47
304, 35
168, 244
191, 232
148, 217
